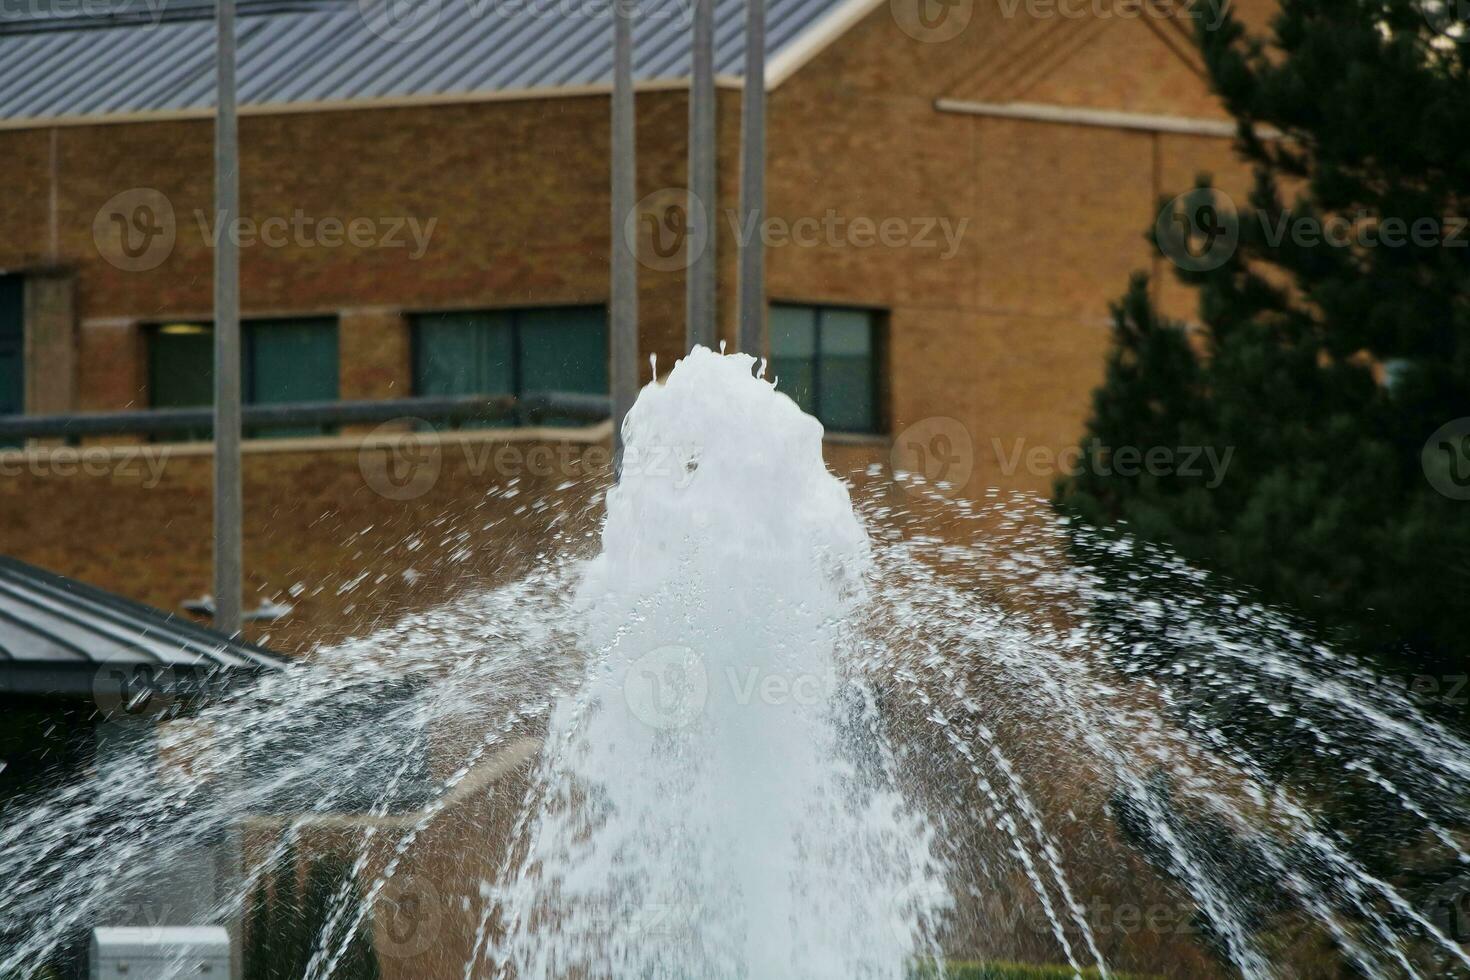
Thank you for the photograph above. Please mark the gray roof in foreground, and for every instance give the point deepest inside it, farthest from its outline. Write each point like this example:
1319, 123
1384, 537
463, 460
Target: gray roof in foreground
58, 626
68, 58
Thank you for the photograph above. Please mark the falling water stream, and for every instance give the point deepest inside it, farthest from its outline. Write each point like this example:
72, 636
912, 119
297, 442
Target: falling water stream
774, 724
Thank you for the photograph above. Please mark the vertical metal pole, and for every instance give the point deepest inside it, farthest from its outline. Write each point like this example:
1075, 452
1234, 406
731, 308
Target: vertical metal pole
227, 509
624, 369
700, 306
753, 183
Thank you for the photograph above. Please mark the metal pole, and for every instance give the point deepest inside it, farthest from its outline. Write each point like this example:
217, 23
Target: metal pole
227, 507
700, 307
624, 369
753, 183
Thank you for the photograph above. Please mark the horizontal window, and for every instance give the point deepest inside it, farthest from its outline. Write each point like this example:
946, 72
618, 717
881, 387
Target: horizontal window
286, 360
511, 352
12, 346
826, 358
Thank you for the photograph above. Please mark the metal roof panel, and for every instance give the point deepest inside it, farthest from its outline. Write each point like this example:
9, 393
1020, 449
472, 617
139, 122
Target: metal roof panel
327, 51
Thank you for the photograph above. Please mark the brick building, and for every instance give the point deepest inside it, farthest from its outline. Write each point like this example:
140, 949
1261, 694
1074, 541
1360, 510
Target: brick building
956, 191
955, 194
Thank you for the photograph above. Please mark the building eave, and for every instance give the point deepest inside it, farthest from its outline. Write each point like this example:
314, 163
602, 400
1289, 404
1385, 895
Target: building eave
1103, 118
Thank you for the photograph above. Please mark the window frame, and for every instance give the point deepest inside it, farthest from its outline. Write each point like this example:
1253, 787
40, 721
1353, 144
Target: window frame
17, 281
153, 329
515, 316
878, 359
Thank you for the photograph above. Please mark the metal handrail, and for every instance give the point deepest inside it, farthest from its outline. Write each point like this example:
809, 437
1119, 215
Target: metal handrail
164, 421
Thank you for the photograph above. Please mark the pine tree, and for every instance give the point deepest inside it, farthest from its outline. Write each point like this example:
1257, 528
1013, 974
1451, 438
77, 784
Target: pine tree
1325, 367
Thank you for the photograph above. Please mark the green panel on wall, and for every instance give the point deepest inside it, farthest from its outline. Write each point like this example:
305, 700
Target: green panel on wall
794, 352
12, 345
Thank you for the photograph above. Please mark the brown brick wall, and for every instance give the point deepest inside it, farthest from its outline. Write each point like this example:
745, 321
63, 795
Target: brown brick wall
1003, 330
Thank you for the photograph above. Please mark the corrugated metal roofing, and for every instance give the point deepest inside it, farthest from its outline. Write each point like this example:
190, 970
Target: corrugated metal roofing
142, 56
47, 621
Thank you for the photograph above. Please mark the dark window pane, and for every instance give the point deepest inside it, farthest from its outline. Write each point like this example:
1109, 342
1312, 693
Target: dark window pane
794, 353
463, 354
181, 370
12, 345
181, 365
281, 361
290, 361
845, 371
564, 349
517, 352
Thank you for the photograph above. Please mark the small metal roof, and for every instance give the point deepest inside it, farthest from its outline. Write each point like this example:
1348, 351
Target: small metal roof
84, 58
57, 635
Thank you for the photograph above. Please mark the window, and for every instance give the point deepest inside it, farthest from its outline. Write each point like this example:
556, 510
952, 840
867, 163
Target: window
511, 352
291, 360
12, 346
826, 359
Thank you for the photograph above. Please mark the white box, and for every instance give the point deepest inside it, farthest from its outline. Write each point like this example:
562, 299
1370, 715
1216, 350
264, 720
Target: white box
160, 953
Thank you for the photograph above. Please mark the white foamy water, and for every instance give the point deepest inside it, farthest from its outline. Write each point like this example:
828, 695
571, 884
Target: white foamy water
718, 798
776, 736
